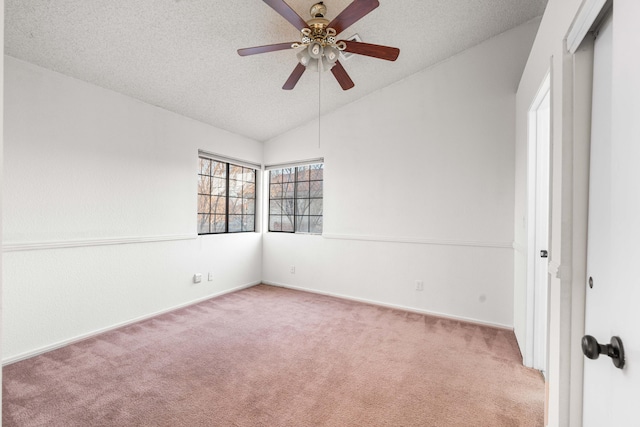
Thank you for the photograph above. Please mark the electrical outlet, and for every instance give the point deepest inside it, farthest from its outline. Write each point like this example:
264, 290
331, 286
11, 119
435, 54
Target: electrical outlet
197, 278
210, 277
292, 269
419, 285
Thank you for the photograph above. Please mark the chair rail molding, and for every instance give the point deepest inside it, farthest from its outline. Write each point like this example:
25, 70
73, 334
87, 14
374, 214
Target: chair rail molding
420, 241
79, 243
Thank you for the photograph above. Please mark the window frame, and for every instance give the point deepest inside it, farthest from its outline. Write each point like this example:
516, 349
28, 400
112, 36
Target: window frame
226, 193
295, 200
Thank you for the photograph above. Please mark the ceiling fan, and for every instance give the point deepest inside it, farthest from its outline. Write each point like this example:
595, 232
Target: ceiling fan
318, 40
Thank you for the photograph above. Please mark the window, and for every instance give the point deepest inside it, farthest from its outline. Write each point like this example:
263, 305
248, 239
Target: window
226, 197
295, 199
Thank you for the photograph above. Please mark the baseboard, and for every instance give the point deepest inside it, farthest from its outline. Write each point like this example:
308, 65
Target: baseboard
91, 334
395, 306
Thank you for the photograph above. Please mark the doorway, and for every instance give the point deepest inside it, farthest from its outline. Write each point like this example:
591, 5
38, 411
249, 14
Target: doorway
539, 138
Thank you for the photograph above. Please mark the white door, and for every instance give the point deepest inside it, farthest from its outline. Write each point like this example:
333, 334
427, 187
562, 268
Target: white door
539, 140
541, 281
612, 395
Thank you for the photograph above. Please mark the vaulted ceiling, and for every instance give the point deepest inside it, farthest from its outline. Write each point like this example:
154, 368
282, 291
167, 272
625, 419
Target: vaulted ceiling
181, 54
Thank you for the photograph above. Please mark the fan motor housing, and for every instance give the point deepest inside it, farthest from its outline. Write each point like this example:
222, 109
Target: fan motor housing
318, 10
318, 23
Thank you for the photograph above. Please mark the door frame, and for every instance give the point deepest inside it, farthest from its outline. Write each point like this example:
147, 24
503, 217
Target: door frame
537, 298
578, 58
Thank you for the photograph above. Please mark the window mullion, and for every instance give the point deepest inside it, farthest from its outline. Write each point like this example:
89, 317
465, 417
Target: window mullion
226, 214
210, 211
241, 200
295, 199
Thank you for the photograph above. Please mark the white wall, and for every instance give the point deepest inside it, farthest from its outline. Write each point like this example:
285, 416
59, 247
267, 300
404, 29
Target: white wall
100, 211
418, 186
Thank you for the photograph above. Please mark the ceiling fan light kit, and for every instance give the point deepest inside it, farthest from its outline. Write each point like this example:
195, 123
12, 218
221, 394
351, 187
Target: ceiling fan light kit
320, 47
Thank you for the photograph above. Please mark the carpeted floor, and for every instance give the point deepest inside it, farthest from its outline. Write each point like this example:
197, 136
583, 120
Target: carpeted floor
268, 356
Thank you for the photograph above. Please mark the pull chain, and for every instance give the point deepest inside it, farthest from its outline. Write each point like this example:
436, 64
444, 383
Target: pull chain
319, 101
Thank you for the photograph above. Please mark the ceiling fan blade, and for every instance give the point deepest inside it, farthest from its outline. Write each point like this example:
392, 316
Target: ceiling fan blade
373, 50
263, 49
294, 77
342, 77
352, 13
287, 13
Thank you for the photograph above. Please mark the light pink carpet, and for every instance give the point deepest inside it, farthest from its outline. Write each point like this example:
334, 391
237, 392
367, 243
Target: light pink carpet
267, 356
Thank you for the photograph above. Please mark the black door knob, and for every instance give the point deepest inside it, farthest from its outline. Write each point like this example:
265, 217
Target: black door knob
544, 254
592, 349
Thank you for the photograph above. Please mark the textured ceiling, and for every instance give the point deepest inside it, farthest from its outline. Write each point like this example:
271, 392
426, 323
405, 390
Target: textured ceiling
181, 54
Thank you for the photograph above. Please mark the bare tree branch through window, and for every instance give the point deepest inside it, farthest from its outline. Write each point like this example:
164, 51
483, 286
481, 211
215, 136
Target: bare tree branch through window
226, 197
295, 199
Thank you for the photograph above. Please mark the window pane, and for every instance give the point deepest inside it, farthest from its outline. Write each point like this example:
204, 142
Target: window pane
248, 223
205, 166
203, 223
235, 206
275, 223
249, 191
235, 223
275, 207
218, 205
235, 188
302, 190
249, 175
289, 190
316, 172
288, 207
204, 203
218, 186
315, 224
302, 207
275, 176
315, 207
275, 191
287, 223
288, 175
302, 224
219, 169
315, 189
204, 184
235, 172
249, 207
303, 173
219, 223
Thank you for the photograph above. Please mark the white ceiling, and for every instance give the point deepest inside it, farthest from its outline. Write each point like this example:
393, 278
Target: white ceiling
181, 54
